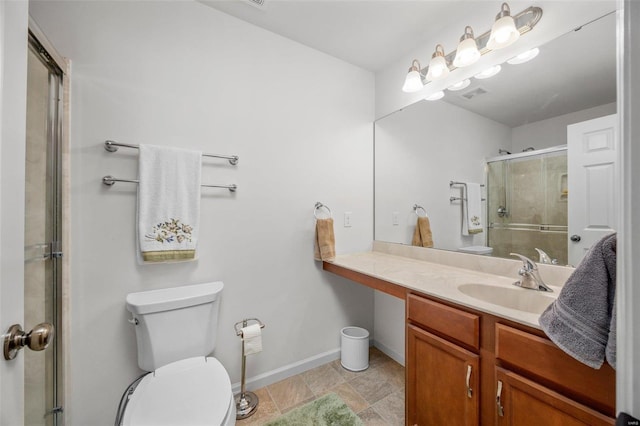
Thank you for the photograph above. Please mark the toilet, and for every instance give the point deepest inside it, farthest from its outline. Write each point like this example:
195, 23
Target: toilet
482, 250
176, 330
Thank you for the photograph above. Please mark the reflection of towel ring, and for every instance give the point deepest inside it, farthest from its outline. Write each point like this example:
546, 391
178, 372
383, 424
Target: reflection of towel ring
319, 205
417, 207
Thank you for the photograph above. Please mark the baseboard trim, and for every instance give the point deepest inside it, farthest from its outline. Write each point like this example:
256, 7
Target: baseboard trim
399, 358
273, 376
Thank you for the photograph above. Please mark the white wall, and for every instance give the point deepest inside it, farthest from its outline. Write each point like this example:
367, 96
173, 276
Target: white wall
553, 131
183, 74
13, 83
417, 152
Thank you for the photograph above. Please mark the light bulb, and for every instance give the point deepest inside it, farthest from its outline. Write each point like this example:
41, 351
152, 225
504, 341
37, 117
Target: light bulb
435, 96
524, 57
467, 52
460, 85
413, 81
489, 72
438, 67
503, 31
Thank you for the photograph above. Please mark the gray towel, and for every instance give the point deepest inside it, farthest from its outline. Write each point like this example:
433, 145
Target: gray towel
582, 321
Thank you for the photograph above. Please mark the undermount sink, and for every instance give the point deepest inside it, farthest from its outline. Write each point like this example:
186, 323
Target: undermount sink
531, 301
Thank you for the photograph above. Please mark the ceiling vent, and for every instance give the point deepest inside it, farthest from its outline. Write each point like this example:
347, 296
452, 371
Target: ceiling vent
473, 93
258, 4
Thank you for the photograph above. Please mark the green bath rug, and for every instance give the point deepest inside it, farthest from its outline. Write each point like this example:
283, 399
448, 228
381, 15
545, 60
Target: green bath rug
328, 410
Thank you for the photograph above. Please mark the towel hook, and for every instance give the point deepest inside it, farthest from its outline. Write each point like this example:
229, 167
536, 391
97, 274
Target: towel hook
319, 205
417, 207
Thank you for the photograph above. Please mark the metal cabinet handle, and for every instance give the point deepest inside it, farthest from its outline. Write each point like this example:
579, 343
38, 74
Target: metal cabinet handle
37, 339
469, 390
499, 400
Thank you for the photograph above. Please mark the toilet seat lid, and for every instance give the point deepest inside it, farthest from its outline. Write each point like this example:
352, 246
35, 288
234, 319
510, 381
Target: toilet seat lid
193, 391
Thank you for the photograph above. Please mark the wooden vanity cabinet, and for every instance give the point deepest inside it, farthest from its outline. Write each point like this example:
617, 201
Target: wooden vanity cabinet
443, 382
523, 402
517, 376
457, 358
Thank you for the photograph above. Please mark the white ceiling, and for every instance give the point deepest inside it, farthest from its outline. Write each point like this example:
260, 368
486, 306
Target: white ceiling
576, 71
367, 33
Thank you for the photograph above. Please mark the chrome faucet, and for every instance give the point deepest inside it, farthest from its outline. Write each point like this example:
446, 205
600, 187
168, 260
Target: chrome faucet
545, 258
530, 275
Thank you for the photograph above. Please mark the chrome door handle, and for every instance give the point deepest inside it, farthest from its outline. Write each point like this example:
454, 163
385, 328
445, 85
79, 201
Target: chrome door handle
575, 238
37, 339
499, 400
469, 390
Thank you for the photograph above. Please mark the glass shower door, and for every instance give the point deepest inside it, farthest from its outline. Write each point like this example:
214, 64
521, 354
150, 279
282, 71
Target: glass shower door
42, 207
527, 205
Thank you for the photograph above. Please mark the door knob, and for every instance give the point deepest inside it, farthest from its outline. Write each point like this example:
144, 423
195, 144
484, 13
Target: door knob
575, 238
37, 339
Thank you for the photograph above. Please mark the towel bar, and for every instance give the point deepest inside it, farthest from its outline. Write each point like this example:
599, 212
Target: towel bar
112, 146
417, 207
110, 181
453, 182
319, 205
452, 199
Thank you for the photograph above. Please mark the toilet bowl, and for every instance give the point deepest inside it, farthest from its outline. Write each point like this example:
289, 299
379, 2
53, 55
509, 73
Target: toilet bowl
176, 330
194, 391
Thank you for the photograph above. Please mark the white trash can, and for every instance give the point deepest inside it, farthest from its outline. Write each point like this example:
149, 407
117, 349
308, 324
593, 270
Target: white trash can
354, 348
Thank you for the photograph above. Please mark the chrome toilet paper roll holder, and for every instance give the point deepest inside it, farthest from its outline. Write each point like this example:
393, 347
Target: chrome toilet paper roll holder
246, 402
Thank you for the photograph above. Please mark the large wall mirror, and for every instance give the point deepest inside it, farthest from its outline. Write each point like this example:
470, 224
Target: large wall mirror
515, 134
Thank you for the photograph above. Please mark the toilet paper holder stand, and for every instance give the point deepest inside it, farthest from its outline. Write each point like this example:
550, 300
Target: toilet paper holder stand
246, 402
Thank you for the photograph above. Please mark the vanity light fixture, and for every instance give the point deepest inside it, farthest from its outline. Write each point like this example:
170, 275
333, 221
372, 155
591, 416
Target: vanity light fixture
435, 96
489, 72
524, 57
413, 82
438, 67
471, 48
467, 52
503, 32
460, 85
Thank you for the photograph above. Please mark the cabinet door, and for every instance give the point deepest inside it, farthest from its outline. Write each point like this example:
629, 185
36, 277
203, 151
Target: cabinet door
522, 402
442, 381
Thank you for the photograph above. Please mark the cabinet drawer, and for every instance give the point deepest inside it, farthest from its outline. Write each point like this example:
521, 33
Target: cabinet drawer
459, 325
539, 357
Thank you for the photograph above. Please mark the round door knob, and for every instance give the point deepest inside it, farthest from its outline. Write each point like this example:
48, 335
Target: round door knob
37, 339
40, 337
575, 238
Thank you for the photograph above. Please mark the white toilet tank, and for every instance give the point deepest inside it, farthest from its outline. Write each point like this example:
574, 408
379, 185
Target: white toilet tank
175, 323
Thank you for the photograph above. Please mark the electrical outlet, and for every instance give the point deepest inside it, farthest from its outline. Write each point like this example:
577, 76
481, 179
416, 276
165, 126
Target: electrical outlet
347, 219
395, 218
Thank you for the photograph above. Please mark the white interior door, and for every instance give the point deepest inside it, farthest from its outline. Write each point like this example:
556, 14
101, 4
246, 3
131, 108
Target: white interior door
593, 192
13, 80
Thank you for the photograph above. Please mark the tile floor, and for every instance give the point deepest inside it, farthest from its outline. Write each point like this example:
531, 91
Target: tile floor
376, 394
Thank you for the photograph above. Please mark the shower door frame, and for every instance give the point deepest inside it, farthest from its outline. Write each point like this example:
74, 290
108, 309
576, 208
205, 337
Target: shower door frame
57, 147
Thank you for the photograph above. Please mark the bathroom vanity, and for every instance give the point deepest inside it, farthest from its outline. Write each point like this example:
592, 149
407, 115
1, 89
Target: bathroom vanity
474, 351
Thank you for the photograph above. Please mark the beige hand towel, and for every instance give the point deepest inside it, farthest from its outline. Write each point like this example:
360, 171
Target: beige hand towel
422, 236
325, 242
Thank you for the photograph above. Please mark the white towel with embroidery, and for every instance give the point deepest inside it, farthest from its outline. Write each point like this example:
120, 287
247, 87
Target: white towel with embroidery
471, 209
168, 203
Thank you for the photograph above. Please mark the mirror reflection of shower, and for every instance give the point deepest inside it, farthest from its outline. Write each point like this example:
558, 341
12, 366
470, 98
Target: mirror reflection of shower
527, 204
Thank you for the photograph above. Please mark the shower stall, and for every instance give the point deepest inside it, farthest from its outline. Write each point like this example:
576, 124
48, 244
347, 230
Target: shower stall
527, 197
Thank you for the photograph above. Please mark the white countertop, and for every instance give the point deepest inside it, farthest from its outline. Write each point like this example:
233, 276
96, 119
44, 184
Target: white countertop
443, 281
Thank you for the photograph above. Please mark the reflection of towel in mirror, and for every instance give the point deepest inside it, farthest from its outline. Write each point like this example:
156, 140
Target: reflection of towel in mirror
471, 209
582, 321
422, 236
325, 242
